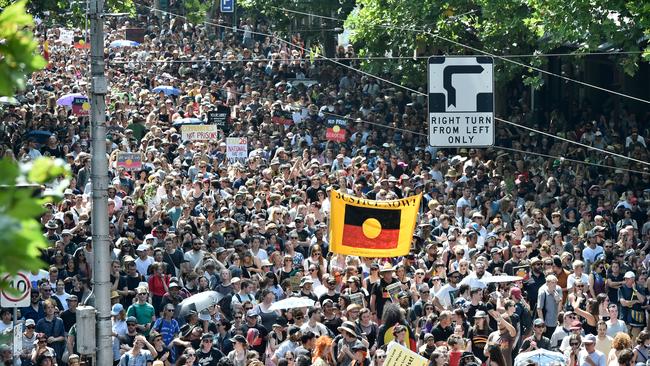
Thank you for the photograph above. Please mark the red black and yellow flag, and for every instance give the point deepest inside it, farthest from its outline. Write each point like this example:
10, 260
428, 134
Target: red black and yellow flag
370, 228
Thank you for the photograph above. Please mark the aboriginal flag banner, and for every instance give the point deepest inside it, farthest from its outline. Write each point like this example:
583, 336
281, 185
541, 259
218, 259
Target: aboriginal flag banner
368, 228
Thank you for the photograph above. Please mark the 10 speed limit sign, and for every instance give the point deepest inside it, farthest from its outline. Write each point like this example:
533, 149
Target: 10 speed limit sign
19, 297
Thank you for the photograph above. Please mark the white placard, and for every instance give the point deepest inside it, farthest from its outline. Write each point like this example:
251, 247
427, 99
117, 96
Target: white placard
66, 36
236, 149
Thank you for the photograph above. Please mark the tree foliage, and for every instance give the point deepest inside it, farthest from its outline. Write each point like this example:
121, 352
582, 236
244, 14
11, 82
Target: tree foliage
500, 27
70, 13
18, 49
313, 30
21, 235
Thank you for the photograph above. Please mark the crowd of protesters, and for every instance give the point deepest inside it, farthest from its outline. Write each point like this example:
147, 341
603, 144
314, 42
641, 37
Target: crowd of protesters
256, 231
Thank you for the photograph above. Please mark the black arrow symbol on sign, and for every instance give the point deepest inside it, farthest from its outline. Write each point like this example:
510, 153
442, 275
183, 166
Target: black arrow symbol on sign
457, 69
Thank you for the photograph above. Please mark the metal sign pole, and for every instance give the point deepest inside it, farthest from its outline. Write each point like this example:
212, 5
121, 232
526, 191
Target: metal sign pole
13, 339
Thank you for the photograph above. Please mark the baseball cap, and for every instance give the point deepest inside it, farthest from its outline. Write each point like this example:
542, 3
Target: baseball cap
29, 322
629, 274
589, 338
117, 308
538, 322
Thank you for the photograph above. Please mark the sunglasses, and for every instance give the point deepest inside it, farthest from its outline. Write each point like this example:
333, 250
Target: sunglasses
300, 317
574, 344
289, 358
381, 357
207, 340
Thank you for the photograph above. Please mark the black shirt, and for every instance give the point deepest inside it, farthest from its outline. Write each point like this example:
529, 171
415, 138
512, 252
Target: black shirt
208, 358
441, 334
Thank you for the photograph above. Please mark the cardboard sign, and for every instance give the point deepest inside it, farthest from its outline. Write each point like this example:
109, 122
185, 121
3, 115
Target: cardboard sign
66, 36
80, 106
282, 118
134, 34
199, 132
336, 129
220, 117
129, 161
399, 355
236, 149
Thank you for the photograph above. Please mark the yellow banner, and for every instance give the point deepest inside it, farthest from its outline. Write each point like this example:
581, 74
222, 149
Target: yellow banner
368, 228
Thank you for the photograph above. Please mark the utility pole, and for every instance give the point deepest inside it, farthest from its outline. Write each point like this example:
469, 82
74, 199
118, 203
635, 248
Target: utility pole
99, 176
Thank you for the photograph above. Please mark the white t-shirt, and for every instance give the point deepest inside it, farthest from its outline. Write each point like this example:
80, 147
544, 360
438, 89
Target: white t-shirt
446, 295
571, 280
142, 265
597, 357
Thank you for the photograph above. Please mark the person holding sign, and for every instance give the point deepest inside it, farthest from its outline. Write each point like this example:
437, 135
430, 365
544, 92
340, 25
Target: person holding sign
380, 294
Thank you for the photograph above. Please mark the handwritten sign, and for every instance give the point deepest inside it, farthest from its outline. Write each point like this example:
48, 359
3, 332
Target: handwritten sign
199, 132
399, 355
129, 161
236, 149
66, 36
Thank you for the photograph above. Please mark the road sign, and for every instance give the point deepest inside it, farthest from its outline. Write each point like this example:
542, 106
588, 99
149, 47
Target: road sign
227, 6
461, 101
20, 283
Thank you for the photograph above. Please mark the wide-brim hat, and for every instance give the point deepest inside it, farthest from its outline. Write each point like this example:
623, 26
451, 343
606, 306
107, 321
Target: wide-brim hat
387, 267
349, 327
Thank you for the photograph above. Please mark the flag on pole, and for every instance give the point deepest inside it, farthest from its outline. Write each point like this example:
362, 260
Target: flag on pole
368, 228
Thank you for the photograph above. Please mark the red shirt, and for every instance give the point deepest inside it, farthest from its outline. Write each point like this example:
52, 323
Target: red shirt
156, 286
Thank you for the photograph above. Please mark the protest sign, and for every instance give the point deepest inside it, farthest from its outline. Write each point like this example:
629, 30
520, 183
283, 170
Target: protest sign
399, 355
236, 149
80, 106
357, 298
66, 36
394, 290
220, 117
199, 132
129, 161
134, 34
336, 129
282, 118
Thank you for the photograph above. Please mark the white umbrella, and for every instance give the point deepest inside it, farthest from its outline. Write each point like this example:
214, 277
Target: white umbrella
292, 303
540, 357
198, 303
473, 282
501, 279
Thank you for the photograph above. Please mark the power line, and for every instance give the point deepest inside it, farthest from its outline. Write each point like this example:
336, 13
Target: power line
485, 53
570, 160
571, 141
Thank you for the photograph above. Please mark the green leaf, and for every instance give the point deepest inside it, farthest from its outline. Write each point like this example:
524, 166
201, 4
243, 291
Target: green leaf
46, 169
